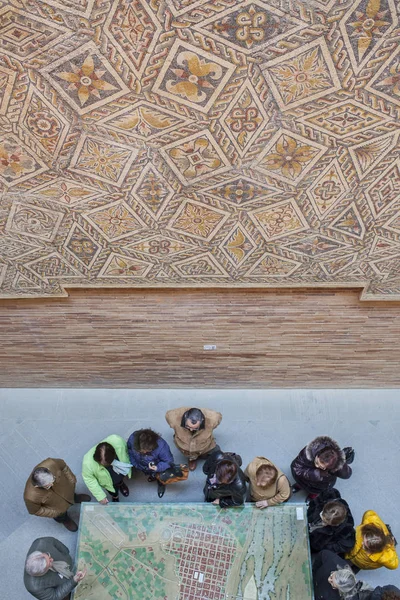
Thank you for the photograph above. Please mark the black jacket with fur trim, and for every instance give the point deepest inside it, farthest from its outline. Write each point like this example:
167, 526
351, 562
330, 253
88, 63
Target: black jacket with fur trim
337, 538
312, 479
229, 494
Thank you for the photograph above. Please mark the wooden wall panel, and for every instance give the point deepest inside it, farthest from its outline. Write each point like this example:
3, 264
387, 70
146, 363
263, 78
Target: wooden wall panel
123, 338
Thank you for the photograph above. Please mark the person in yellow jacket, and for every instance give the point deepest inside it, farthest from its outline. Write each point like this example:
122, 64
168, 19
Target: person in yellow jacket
105, 466
269, 486
374, 547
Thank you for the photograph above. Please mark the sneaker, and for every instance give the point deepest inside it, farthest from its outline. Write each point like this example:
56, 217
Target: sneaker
70, 524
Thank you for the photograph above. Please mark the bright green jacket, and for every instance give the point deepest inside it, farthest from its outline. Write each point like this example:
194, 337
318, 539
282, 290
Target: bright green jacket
95, 475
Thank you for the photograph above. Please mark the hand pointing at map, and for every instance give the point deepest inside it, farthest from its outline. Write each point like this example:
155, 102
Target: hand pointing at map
80, 575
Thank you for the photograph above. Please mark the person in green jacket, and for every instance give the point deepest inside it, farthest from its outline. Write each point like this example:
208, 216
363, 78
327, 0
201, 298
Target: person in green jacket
105, 466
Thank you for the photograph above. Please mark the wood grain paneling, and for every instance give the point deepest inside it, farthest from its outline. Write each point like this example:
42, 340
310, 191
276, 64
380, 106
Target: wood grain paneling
123, 338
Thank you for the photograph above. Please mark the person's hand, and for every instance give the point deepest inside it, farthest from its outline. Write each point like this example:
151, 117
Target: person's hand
319, 465
262, 504
80, 575
216, 501
104, 501
152, 467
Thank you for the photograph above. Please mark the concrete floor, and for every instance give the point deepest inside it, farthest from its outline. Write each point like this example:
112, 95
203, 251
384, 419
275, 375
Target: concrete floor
36, 424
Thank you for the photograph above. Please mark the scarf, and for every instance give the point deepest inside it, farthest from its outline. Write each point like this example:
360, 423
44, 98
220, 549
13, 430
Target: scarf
122, 468
62, 568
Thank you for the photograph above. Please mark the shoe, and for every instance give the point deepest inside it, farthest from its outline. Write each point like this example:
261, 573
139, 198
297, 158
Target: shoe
123, 488
192, 465
115, 498
160, 490
70, 524
295, 488
82, 498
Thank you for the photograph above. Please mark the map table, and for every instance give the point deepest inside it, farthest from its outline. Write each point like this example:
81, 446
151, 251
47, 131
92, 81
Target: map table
193, 551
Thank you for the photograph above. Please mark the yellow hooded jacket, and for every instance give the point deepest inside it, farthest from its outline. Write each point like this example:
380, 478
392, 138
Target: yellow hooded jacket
359, 556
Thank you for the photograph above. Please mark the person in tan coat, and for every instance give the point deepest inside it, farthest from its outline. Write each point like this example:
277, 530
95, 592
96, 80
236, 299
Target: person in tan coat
50, 492
269, 486
193, 431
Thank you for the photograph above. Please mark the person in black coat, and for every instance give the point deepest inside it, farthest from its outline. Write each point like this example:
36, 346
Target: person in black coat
318, 465
387, 592
334, 579
226, 482
330, 523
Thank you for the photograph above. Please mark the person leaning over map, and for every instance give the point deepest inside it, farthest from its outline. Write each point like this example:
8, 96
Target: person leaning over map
105, 466
48, 573
269, 486
193, 432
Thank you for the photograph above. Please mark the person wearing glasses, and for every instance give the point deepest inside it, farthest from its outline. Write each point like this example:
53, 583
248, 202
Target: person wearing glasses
194, 432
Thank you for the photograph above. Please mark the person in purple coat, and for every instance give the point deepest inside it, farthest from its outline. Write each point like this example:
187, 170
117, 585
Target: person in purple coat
318, 465
149, 453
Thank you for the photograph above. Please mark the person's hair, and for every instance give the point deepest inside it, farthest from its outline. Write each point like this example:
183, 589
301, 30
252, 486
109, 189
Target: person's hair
345, 581
334, 513
104, 453
194, 415
226, 471
390, 595
267, 470
145, 440
36, 564
329, 458
42, 477
375, 537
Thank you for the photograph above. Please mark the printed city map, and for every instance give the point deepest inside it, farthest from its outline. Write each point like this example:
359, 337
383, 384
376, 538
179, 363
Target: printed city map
193, 552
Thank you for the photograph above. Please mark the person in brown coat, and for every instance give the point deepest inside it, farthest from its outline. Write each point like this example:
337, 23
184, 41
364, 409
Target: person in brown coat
193, 431
50, 492
269, 486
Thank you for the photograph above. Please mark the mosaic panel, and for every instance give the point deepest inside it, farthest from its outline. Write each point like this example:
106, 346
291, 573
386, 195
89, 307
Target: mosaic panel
249, 143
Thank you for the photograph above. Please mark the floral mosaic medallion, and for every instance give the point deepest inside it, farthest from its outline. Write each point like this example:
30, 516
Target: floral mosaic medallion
238, 245
102, 160
17, 162
289, 157
152, 191
363, 28
198, 220
143, 121
195, 158
115, 221
241, 191
193, 78
248, 143
41, 120
298, 77
270, 265
82, 246
279, 220
85, 79
121, 266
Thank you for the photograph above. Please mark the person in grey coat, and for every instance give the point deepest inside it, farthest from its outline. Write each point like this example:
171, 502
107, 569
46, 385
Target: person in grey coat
48, 571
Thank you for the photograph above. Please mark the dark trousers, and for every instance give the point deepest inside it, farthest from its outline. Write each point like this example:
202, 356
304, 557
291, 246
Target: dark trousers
117, 480
62, 518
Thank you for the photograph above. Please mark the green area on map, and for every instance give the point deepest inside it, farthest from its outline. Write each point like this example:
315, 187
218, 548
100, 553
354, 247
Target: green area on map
193, 552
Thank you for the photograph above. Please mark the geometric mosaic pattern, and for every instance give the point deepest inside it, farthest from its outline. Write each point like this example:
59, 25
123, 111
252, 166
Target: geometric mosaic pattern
196, 143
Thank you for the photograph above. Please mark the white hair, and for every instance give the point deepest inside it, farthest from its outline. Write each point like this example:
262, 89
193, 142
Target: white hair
36, 564
42, 477
345, 581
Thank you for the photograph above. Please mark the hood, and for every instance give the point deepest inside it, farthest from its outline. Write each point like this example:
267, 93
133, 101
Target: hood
321, 443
